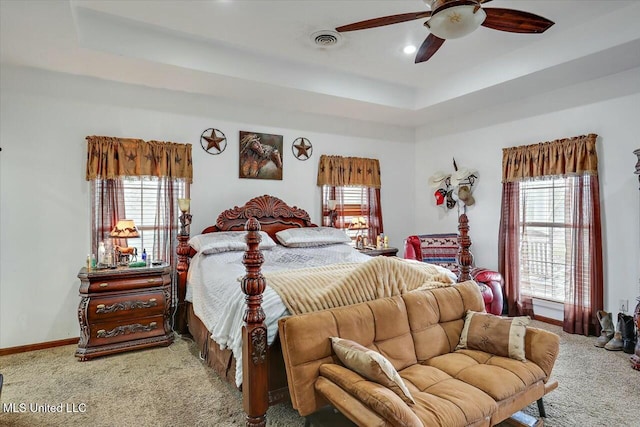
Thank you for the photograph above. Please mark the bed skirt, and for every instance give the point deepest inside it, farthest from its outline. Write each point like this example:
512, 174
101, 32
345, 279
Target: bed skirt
224, 364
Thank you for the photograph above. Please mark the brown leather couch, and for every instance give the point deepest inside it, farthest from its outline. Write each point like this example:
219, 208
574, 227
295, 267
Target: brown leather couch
418, 333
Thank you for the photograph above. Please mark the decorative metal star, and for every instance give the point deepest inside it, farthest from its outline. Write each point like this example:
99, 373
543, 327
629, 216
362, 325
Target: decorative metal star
303, 148
216, 141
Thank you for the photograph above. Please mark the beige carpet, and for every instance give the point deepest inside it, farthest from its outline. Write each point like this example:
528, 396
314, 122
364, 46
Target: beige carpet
169, 386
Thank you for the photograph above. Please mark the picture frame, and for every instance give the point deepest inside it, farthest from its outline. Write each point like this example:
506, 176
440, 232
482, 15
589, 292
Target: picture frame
260, 156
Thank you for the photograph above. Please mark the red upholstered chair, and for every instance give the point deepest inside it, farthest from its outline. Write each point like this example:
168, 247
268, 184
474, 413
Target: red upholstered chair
442, 249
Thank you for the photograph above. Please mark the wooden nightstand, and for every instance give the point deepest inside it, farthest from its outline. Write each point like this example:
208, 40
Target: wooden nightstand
380, 252
123, 309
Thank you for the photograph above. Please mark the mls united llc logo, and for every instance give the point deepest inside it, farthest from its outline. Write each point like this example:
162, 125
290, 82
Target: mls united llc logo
67, 408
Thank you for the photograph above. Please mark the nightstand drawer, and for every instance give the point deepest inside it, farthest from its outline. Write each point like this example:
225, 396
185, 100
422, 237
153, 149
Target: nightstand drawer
123, 309
127, 305
113, 332
127, 283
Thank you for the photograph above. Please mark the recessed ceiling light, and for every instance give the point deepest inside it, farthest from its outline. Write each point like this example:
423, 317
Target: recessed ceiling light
409, 49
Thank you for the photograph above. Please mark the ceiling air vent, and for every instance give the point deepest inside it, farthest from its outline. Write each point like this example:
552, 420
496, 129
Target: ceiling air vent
326, 38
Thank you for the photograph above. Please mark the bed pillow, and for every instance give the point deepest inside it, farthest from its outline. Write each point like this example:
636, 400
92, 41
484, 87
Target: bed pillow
501, 336
311, 236
224, 241
371, 365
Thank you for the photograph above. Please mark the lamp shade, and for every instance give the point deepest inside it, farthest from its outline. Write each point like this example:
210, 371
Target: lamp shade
332, 204
184, 205
456, 19
358, 223
124, 229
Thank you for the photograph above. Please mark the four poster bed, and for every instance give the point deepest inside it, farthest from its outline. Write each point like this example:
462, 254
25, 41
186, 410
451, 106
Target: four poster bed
244, 323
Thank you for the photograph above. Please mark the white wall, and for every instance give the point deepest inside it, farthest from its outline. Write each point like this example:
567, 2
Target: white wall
44, 206
616, 122
44, 209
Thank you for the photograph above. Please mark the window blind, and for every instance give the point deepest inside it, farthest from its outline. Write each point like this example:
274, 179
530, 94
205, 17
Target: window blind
355, 204
142, 204
546, 238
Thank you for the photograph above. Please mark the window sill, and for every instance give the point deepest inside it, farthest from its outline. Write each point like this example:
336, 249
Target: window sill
548, 308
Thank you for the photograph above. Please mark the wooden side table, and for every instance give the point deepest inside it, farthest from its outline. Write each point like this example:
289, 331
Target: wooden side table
380, 252
123, 309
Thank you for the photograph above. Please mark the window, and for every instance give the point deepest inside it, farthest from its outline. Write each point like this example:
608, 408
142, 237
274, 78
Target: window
146, 202
546, 238
142, 204
351, 190
550, 238
355, 205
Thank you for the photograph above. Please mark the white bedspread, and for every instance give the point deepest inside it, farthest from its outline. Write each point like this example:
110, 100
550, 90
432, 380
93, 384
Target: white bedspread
213, 287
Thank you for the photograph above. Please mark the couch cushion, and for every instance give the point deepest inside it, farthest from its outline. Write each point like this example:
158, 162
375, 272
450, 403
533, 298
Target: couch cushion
442, 400
493, 334
380, 325
499, 377
436, 318
371, 365
380, 400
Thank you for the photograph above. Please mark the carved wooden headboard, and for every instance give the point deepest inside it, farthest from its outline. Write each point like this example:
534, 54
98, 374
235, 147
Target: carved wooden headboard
272, 213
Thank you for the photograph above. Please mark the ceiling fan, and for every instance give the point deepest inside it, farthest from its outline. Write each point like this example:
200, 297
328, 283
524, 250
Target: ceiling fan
450, 19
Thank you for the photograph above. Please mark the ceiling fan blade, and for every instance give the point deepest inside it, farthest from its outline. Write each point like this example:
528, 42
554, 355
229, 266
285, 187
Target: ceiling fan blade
515, 21
429, 46
384, 20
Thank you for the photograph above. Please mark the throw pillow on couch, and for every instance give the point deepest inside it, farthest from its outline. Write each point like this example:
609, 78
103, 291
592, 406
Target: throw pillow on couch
502, 336
371, 365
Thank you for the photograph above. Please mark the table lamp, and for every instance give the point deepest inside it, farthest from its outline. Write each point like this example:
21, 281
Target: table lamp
333, 214
124, 229
185, 217
359, 224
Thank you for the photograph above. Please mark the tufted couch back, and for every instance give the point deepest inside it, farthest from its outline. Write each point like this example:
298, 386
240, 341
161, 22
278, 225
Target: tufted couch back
406, 329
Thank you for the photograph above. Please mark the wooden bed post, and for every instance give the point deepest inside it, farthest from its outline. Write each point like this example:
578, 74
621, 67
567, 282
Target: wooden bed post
255, 392
182, 251
465, 257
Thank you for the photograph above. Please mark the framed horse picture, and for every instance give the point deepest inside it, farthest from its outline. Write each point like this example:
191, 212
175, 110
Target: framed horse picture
260, 155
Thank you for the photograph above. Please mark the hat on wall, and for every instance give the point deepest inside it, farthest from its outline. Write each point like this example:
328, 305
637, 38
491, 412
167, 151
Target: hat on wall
437, 179
465, 196
462, 176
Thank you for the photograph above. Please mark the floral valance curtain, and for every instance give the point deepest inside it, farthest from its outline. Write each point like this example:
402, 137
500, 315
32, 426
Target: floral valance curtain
569, 156
111, 158
338, 171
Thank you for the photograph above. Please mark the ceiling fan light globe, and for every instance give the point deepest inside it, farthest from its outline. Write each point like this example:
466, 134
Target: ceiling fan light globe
409, 49
456, 21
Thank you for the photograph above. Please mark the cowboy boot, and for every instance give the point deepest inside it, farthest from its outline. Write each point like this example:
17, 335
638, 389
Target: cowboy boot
635, 358
615, 344
606, 325
628, 334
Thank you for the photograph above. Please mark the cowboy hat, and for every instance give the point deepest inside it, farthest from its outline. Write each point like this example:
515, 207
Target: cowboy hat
462, 175
465, 196
437, 179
